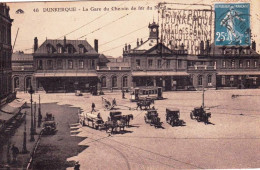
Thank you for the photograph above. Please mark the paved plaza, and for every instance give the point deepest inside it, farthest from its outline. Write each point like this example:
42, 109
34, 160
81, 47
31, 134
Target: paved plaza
231, 140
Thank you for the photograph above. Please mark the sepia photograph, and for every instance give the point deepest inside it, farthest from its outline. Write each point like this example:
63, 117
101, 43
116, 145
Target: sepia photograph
130, 85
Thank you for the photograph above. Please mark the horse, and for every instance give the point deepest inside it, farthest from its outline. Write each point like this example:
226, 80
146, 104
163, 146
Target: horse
121, 124
128, 118
110, 124
145, 103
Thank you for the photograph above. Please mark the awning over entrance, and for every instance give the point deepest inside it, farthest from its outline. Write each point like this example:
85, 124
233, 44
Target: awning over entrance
11, 109
239, 73
159, 73
65, 74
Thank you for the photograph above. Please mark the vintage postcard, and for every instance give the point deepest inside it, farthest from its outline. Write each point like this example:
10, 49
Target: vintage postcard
130, 84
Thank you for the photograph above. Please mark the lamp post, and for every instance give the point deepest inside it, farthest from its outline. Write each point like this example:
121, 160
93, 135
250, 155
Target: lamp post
31, 91
39, 113
34, 116
24, 151
203, 97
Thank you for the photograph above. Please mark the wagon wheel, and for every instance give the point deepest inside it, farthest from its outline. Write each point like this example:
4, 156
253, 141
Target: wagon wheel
191, 115
83, 123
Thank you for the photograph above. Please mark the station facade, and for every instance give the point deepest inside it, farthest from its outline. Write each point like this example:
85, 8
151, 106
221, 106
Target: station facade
68, 65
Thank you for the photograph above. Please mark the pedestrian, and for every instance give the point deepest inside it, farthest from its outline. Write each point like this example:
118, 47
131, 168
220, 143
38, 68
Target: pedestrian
114, 102
93, 107
15, 152
76, 166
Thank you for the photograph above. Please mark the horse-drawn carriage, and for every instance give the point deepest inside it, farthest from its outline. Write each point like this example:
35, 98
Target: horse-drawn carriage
200, 115
144, 104
173, 117
152, 118
49, 125
92, 120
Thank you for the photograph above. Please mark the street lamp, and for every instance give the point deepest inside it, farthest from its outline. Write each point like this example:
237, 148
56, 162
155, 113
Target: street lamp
31, 91
24, 151
39, 113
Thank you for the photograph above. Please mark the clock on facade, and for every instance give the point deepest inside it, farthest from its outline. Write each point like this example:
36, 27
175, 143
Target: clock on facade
154, 30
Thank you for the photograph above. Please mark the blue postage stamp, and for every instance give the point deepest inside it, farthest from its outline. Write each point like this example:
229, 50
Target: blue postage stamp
232, 24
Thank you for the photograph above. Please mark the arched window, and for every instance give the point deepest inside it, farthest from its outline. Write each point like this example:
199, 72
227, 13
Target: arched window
209, 80
125, 81
114, 81
200, 78
103, 82
16, 82
28, 82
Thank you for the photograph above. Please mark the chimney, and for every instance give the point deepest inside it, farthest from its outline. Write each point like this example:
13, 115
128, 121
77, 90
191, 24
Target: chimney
201, 47
96, 45
141, 41
125, 47
64, 42
207, 47
137, 43
129, 47
254, 45
35, 44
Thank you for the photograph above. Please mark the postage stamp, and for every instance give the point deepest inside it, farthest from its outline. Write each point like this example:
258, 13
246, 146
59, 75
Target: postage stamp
232, 24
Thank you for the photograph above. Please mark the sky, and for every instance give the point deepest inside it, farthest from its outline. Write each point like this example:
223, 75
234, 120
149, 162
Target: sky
91, 20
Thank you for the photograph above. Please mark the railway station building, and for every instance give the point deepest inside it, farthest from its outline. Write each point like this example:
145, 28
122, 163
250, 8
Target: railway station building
68, 65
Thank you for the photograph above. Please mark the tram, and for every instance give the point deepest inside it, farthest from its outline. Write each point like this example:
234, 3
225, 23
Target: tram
149, 92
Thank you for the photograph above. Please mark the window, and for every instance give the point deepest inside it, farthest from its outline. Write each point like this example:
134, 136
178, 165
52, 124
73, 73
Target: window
231, 79
240, 64
59, 49
159, 63
138, 62
224, 64
59, 64
103, 82
200, 78
16, 82
70, 64
70, 49
254, 81
81, 64
49, 49
150, 63
179, 63
125, 84
81, 50
92, 64
209, 80
248, 63
49, 64
168, 63
40, 65
114, 81
255, 63
223, 80
215, 64
232, 63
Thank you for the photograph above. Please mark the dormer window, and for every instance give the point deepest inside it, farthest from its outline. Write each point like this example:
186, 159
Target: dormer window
59, 50
81, 50
70, 49
49, 49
